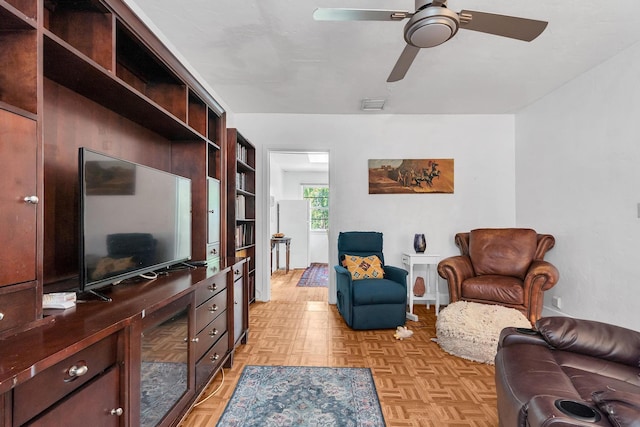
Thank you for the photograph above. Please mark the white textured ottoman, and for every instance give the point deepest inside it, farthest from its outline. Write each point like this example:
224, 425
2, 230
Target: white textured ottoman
471, 330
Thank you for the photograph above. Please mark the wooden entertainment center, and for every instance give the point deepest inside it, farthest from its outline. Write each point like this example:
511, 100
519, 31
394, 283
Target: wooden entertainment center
89, 73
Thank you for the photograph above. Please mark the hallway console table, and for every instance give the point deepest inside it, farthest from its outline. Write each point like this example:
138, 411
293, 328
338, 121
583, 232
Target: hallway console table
275, 243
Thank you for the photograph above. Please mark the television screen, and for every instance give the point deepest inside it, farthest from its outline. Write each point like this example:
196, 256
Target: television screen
133, 219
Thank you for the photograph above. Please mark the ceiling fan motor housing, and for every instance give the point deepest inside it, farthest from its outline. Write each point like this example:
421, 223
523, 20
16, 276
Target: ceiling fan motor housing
431, 26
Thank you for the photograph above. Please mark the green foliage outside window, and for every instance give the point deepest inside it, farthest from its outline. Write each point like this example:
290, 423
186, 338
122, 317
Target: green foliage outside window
319, 202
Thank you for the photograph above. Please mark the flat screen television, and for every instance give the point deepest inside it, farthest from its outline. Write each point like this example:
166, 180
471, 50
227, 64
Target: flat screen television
133, 219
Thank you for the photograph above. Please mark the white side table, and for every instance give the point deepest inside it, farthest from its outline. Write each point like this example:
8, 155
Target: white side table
430, 261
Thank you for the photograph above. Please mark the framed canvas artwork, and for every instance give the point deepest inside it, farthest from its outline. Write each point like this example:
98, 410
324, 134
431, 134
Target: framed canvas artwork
393, 176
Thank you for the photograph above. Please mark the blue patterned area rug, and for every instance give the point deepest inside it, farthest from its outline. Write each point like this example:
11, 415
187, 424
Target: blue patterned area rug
316, 275
281, 396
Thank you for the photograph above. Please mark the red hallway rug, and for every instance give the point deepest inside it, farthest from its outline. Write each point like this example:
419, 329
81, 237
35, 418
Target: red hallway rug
316, 275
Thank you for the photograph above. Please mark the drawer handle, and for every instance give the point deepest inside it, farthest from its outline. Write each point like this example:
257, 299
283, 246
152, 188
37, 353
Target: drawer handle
214, 251
214, 269
215, 357
1, 316
76, 371
196, 339
213, 308
213, 287
236, 272
117, 412
213, 332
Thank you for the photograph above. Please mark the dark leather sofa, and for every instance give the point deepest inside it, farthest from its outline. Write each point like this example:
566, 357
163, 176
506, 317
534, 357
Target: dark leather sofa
568, 372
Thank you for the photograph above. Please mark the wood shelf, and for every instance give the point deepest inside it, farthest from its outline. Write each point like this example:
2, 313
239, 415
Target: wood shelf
69, 67
213, 131
197, 114
27, 7
142, 70
17, 110
244, 166
16, 17
18, 74
241, 184
244, 192
85, 25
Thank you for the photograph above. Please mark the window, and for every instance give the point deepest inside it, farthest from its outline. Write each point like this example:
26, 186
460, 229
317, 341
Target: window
318, 196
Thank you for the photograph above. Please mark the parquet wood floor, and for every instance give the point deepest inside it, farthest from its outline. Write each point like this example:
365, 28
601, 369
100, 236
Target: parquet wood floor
419, 385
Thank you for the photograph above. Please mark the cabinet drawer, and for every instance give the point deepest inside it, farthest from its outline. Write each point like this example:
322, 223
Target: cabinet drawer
213, 250
210, 310
211, 360
97, 404
216, 284
54, 383
406, 260
17, 306
210, 334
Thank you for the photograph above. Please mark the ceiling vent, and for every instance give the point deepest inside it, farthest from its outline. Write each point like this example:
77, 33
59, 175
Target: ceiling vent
372, 104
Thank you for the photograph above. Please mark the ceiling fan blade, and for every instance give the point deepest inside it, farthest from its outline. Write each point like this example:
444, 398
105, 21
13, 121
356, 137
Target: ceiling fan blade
501, 25
328, 14
404, 62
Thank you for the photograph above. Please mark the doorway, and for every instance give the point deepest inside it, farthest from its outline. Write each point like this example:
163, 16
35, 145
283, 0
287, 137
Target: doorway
297, 179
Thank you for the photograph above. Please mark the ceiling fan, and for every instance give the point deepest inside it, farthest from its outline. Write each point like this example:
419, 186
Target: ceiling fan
433, 23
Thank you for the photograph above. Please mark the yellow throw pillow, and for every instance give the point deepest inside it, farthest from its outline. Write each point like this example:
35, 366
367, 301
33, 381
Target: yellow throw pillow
368, 267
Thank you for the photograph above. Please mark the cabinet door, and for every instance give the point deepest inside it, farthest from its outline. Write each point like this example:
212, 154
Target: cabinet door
166, 371
238, 310
213, 210
17, 217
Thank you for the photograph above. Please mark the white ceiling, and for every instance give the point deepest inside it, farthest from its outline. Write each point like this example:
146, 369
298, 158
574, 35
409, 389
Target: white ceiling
270, 56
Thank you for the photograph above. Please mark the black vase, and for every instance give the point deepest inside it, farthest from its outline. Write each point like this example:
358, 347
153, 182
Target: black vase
419, 243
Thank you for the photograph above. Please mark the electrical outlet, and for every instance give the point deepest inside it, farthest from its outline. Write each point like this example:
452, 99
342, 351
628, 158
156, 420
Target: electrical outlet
557, 302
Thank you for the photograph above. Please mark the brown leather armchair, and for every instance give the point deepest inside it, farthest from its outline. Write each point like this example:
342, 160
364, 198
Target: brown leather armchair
501, 266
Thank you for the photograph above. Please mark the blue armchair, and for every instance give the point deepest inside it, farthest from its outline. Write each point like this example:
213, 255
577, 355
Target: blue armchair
369, 303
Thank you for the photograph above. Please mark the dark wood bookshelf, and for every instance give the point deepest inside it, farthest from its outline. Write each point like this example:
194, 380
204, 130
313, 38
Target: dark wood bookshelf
90, 73
241, 203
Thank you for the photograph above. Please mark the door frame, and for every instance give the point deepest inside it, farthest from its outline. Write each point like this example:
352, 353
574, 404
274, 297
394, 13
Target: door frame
265, 294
